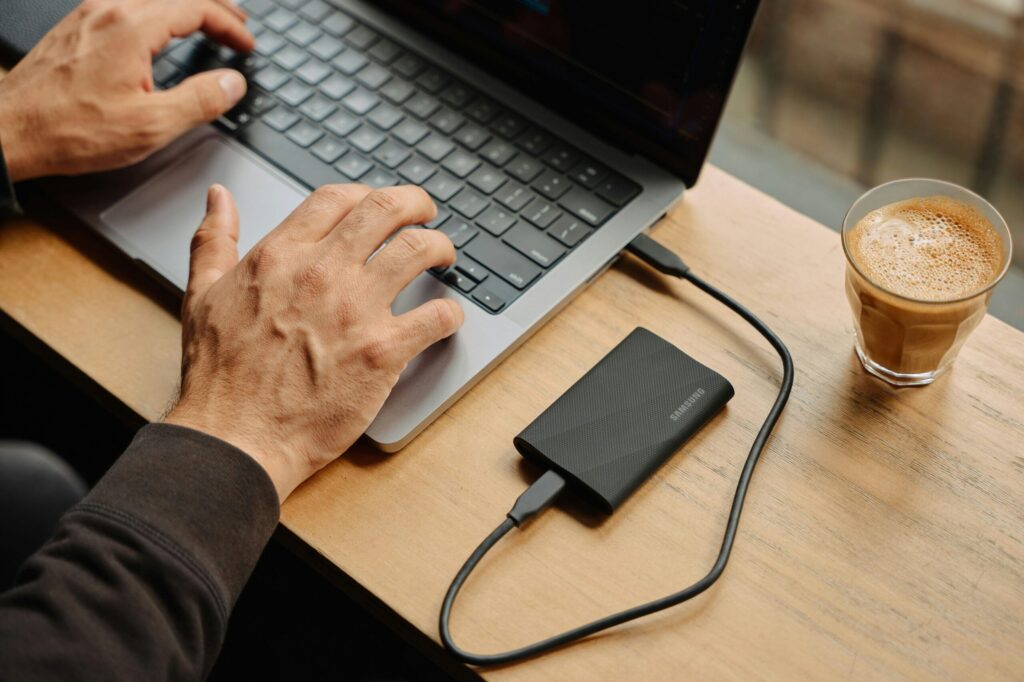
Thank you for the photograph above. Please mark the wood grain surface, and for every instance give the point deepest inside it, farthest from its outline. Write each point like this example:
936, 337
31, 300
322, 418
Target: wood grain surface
884, 531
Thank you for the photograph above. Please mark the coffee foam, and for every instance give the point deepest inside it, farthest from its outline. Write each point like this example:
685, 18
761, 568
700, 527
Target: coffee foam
929, 248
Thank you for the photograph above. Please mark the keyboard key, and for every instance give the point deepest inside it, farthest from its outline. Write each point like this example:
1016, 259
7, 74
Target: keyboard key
337, 86
472, 136
280, 20
460, 163
469, 203
361, 101
617, 189
500, 259
410, 131
409, 65
534, 141
551, 184
258, 8
366, 139
416, 170
315, 11
432, 80
294, 93
341, 123
496, 220
349, 61
326, 48
290, 58
487, 179
313, 71
435, 147
482, 111
353, 166
524, 168
164, 71
490, 300
385, 51
585, 205
536, 246
304, 134
457, 95
317, 108
338, 24
280, 119
257, 102
508, 126
303, 33
442, 215
561, 158
541, 213
378, 177
268, 43
514, 196
470, 268
569, 230
270, 78
386, 117
447, 121
291, 4
459, 281
397, 91
422, 105
459, 231
442, 186
391, 154
498, 152
295, 160
588, 173
362, 37
329, 149
373, 76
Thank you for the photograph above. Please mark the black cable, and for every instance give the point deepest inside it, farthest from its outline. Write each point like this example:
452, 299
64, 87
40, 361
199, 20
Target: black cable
544, 490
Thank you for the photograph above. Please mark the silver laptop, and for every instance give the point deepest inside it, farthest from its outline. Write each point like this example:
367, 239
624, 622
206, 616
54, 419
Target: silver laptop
549, 133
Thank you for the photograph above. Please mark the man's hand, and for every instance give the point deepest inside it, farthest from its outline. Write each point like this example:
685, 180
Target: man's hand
290, 353
83, 99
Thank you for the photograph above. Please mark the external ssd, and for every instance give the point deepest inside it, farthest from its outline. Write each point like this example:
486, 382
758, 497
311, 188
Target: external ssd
615, 426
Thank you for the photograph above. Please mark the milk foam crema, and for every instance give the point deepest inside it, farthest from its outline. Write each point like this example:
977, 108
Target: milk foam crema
928, 248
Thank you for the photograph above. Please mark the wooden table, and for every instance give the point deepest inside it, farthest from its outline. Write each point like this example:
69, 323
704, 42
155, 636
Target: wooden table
884, 532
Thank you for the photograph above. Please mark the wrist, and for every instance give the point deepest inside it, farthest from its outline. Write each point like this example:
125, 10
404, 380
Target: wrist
15, 139
278, 465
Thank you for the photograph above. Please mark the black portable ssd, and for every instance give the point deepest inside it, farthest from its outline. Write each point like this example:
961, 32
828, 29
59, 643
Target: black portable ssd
615, 426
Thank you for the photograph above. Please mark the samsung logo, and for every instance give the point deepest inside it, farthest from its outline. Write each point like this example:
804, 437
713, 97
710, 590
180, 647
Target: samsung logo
678, 413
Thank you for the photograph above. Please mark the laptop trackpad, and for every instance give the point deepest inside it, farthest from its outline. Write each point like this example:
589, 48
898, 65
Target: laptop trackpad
155, 222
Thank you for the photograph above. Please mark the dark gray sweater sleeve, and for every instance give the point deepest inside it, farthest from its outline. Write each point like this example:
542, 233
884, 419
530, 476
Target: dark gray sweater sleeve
140, 577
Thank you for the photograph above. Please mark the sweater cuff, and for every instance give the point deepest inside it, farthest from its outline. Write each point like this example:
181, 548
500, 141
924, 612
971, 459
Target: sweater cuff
210, 499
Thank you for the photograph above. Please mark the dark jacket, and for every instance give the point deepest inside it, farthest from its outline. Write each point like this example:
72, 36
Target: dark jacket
139, 579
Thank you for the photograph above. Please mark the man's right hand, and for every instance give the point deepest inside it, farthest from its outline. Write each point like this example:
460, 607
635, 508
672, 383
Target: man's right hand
290, 353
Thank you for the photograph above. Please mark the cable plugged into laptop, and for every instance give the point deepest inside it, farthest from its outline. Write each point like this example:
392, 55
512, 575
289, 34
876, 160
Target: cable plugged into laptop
611, 431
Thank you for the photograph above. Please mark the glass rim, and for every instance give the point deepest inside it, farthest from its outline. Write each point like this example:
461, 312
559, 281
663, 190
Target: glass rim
1007, 257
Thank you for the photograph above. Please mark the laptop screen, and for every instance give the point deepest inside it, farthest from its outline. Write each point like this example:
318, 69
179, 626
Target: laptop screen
650, 76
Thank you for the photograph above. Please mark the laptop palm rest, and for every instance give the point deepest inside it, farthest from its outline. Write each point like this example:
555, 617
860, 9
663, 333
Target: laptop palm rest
155, 222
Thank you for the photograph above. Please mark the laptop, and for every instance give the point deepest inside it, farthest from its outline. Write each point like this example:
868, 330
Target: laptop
548, 132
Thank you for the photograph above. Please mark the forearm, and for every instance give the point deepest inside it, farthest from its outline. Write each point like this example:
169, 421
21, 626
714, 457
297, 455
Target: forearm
140, 577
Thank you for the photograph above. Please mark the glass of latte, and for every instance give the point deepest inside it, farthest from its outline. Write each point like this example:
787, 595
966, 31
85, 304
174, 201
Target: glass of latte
922, 259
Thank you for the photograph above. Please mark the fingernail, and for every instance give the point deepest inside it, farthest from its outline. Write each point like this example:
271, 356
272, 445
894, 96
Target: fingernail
213, 197
233, 85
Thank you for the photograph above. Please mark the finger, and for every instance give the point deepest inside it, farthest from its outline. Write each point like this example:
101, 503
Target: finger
166, 20
234, 9
215, 244
379, 215
321, 212
405, 257
197, 99
425, 325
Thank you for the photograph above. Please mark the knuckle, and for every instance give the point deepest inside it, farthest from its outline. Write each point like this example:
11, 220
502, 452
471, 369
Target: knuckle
207, 102
385, 201
261, 259
444, 315
314, 278
413, 243
378, 351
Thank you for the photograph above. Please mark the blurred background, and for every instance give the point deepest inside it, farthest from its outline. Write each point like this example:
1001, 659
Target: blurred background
836, 96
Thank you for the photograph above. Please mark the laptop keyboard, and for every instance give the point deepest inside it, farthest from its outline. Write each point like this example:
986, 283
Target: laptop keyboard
331, 100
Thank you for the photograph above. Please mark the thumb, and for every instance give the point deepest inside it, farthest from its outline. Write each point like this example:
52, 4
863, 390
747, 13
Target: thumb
201, 98
215, 244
